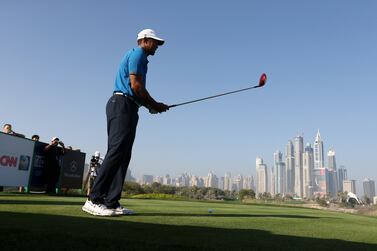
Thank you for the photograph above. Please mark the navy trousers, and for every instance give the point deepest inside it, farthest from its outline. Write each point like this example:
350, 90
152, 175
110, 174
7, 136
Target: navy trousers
122, 117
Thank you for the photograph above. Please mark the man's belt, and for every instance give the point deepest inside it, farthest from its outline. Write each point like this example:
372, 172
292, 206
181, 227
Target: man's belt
129, 97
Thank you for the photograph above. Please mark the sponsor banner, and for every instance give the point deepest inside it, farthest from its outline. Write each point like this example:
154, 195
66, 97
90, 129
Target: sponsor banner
15, 160
72, 171
37, 177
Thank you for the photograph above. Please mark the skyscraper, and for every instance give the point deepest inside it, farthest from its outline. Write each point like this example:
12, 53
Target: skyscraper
320, 182
318, 152
262, 177
272, 181
290, 167
196, 181
279, 173
211, 180
238, 181
342, 175
369, 188
248, 183
167, 180
332, 174
146, 179
319, 171
349, 186
298, 151
227, 182
221, 183
307, 167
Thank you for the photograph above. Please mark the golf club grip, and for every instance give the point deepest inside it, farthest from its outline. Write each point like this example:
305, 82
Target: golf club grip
214, 96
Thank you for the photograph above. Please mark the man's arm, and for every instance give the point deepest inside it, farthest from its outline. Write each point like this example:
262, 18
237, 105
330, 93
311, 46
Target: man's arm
142, 93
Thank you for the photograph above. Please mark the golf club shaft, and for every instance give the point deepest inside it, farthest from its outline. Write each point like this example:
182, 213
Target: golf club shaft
214, 96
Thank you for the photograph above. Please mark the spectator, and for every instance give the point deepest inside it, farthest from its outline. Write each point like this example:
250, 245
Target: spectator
35, 137
53, 154
7, 128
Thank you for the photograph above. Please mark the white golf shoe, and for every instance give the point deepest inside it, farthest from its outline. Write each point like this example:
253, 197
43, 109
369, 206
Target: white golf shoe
97, 209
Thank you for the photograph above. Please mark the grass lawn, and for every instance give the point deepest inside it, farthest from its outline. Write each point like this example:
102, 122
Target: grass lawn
38, 222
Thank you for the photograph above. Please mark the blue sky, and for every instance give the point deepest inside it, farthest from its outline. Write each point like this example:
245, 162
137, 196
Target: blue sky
58, 61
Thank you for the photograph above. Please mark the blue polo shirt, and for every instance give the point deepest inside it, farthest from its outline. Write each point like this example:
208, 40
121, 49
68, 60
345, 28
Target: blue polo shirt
134, 62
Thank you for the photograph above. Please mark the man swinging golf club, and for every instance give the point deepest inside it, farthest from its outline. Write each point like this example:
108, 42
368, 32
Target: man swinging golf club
122, 117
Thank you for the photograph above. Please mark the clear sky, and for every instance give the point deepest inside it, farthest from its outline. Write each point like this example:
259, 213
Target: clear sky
58, 61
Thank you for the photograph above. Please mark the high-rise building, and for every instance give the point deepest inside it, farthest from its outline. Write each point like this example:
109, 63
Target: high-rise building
158, 179
332, 186
196, 181
369, 188
146, 179
319, 186
183, 180
342, 175
298, 151
271, 189
248, 183
290, 167
211, 180
227, 182
221, 183
320, 173
167, 180
318, 152
129, 176
349, 186
279, 174
262, 176
307, 167
238, 181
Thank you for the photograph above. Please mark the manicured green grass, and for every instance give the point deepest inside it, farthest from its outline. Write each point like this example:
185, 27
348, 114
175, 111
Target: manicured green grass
36, 222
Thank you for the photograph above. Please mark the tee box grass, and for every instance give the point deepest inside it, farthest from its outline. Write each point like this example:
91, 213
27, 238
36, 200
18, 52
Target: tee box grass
38, 222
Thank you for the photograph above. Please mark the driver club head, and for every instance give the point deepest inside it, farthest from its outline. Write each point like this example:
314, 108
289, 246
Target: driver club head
262, 80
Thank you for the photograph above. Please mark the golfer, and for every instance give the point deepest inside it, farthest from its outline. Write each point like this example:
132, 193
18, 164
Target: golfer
122, 116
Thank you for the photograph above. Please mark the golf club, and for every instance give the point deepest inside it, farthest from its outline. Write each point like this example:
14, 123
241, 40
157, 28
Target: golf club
262, 82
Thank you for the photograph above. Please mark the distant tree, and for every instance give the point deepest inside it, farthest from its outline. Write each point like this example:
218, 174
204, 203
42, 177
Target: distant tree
367, 200
341, 197
230, 195
288, 196
278, 197
156, 187
264, 196
131, 188
147, 188
246, 194
322, 201
168, 189
183, 191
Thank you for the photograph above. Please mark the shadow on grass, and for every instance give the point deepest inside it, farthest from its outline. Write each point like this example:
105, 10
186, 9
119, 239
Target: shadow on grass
26, 231
233, 215
41, 202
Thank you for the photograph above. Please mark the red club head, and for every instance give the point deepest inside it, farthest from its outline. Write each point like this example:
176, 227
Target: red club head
262, 80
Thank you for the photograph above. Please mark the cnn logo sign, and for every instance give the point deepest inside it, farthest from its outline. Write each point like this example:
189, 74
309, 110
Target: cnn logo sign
8, 161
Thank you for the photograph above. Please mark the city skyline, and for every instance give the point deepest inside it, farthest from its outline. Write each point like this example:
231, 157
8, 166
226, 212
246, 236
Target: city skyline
316, 177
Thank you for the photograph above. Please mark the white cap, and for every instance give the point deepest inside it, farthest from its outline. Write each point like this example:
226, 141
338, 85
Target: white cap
55, 138
97, 154
149, 33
